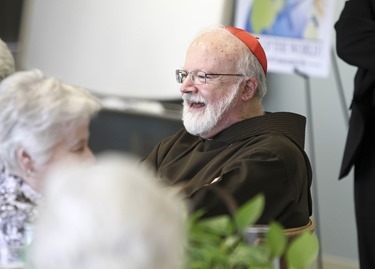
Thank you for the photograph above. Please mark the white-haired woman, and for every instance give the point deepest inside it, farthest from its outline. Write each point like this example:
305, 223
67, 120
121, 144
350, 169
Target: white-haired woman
115, 215
42, 121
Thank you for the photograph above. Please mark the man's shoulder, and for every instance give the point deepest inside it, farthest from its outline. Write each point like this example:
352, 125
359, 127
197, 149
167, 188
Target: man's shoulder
271, 124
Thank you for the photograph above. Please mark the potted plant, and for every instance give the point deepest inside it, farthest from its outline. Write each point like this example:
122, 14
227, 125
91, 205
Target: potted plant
221, 242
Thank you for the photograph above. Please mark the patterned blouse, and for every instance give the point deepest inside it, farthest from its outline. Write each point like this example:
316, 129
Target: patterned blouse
18, 203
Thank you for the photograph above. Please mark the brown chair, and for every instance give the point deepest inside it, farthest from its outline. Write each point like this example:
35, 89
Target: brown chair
293, 232
256, 234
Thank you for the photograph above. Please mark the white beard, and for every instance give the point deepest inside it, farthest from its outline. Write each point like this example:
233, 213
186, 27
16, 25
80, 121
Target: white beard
202, 122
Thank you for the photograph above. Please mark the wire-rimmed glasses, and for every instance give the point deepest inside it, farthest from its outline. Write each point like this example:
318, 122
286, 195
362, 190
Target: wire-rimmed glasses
198, 77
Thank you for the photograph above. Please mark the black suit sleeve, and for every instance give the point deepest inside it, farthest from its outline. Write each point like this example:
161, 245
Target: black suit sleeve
355, 33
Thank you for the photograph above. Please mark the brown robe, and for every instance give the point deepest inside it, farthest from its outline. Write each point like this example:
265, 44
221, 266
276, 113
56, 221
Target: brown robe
263, 154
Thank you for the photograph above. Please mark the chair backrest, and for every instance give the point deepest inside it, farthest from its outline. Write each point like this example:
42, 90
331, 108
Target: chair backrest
293, 232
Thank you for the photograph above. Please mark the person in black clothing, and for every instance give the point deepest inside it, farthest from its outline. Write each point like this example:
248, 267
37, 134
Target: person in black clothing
355, 36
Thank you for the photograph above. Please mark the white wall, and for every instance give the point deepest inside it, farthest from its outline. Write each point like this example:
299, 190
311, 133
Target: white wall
118, 47
131, 75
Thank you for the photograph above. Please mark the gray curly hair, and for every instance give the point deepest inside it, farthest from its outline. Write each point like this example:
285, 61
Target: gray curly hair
36, 113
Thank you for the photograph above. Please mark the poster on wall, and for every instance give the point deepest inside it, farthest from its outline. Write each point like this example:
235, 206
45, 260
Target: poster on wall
295, 34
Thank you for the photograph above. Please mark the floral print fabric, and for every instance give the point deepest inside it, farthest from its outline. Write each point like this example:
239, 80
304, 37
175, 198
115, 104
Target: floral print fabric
17, 209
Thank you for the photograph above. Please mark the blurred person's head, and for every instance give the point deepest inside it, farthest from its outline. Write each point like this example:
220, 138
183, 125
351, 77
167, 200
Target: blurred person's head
113, 215
7, 65
43, 120
223, 80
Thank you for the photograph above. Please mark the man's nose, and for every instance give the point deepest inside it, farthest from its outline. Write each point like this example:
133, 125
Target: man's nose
188, 86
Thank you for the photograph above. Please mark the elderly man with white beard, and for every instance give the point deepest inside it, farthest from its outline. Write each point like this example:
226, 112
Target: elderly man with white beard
231, 149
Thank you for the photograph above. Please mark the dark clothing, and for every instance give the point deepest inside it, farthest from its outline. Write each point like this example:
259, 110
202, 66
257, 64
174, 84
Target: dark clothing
364, 208
263, 154
355, 36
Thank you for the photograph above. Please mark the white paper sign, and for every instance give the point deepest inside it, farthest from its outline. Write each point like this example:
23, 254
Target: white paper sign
295, 34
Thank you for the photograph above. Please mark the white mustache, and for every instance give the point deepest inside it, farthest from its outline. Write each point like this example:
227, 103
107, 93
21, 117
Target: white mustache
193, 98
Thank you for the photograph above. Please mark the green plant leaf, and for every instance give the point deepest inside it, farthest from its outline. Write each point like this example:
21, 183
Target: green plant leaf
219, 242
276, 239
251, 256
210, 232
195, 217
220, 225
205, 239
249, 212
231, 242
302, 251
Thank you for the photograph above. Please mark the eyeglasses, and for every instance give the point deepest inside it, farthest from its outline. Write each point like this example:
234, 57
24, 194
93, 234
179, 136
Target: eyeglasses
198, 77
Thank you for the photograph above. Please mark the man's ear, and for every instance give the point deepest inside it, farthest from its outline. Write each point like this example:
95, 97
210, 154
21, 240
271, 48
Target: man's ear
24, 160
250, 89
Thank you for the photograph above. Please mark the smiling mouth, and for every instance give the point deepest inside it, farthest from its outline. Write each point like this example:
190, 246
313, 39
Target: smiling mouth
196, 104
